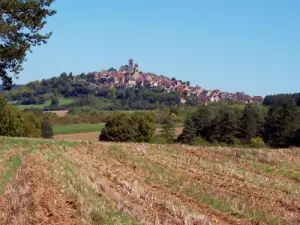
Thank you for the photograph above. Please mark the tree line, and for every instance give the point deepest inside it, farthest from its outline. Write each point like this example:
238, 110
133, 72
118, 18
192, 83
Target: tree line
17, 123
278, 126
69, 86
281, 98
255, 125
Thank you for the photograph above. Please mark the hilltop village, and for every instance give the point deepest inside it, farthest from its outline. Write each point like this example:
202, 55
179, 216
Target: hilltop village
130, 75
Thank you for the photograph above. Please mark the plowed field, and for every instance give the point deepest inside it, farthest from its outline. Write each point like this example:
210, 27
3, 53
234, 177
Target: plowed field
65, 182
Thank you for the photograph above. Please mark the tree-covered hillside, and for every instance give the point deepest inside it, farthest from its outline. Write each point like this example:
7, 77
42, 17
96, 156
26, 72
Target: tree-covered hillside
80, 88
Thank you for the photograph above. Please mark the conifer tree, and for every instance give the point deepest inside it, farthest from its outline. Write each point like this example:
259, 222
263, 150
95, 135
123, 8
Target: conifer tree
189, 131
168, 130
20, 24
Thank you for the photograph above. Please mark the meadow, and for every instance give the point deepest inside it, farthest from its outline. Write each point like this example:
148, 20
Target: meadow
128, 183
62, 101
77, 128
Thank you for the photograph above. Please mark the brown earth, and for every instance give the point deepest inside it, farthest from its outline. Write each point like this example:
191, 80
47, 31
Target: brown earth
33, 198
59, 113
127, 183
91, 136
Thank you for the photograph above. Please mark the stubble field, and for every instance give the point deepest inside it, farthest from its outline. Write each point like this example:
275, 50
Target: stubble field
65, 182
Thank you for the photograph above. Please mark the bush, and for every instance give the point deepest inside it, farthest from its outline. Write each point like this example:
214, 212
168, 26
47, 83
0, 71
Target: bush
11, 122
31, 125
158, 139
168, 130
121, 127
118, 128
257, 142
47, 131
199, 141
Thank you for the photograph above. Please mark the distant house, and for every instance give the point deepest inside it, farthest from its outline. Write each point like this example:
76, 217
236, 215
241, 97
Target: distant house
203, 99
214, 98
257, 99
242, 97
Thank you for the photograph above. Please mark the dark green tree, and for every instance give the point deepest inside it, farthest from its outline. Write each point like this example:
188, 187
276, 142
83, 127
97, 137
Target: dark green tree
224, 127
118, 128
55, 102
251, 123
168, 130
202, 119
20, 24
144, 126
189, 131
121, 127
282, 124
47, 130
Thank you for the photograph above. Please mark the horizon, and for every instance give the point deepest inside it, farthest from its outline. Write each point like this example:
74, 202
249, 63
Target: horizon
233, 46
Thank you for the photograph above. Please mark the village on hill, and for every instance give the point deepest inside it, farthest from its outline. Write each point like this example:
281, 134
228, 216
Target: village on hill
130, 75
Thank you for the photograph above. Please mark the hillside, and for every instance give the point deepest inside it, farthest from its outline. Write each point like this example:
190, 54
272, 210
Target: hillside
127, 88
47, 182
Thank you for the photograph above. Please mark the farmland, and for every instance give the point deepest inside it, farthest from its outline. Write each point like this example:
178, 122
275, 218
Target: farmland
77, 128
65, 182
62, 101
81, 130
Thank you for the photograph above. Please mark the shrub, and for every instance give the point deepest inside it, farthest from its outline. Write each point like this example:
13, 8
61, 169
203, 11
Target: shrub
158, 139
118, 128
31, 125
121, 127
257, 142
199, 141
11, 122
47, 131
168, 130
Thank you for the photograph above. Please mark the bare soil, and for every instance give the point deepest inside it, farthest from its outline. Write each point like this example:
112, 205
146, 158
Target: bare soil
127, 183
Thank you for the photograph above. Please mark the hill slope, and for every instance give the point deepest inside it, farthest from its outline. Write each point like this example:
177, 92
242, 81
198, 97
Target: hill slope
46, 182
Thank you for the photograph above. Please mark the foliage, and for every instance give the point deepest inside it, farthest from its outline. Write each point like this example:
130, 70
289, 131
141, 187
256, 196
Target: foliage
257, 142
168, 130
199, 141
251, 123
55, 102
31, 125
11, 122
282, 124
20, 26
189, 131
47, 130
223, 127
270, 100
121, 127
144, 126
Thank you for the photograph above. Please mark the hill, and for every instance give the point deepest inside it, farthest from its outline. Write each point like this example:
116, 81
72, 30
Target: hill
125, 89
62, 182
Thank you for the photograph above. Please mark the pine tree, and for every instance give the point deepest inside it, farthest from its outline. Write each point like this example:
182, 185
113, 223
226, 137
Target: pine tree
189, 132
282, 124
168, 130
224, 127
202, 119
47, 131
251, 123
20, 26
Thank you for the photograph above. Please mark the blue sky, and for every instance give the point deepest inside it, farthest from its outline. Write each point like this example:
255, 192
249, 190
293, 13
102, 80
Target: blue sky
232, 45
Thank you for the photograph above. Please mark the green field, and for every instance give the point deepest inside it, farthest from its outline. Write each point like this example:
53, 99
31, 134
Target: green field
86, 128
62, 101
77, 128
